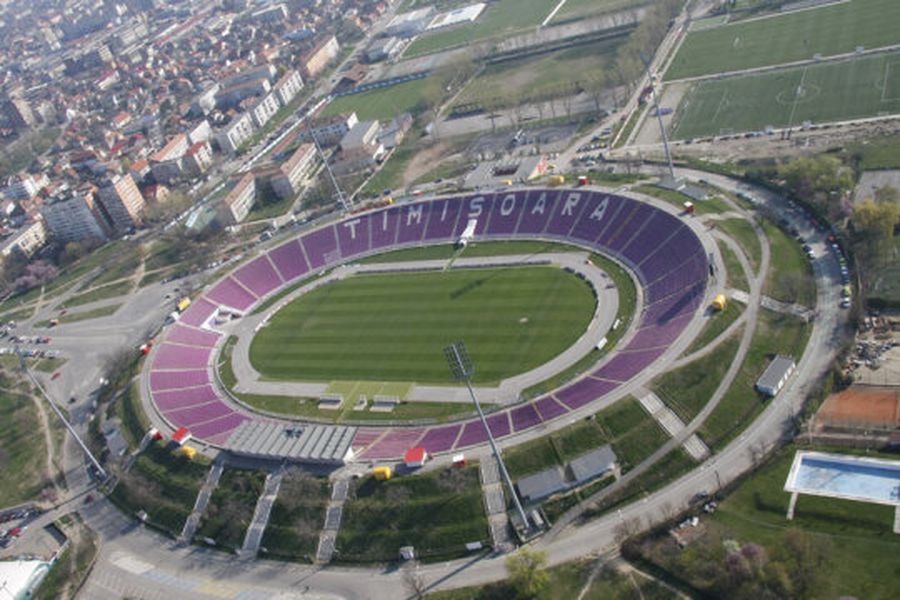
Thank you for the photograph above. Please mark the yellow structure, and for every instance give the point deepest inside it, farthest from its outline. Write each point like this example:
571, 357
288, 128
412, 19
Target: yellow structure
183, 304
557, 180
382, 473
188, 452
720, 302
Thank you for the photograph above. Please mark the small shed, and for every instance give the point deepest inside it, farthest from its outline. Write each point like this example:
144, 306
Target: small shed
775, 375
383, 473
182, 436
720, 302
415, 457
460, 460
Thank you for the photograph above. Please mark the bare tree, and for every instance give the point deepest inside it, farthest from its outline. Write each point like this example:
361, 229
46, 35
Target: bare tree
413, 581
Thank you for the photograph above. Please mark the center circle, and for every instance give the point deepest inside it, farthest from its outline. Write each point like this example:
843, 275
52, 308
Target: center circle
393, 326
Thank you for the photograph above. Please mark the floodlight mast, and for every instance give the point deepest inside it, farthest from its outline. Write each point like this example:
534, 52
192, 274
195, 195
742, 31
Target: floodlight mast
341, 198
84, 448
662, 129
461, 366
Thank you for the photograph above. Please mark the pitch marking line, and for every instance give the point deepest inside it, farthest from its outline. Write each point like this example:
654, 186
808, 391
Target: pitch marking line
797, 97
885, 83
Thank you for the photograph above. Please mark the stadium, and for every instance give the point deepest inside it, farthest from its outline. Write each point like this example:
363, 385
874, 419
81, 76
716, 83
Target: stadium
665, 252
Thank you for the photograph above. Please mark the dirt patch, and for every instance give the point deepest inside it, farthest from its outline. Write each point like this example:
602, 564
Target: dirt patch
424, 161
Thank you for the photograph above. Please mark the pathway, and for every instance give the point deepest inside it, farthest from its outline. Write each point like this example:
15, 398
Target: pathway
495, 504
333, 513
261, 514
193, 520
673, 425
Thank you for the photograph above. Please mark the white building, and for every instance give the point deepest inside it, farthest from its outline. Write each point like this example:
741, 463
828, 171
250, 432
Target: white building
235, 133
291, 173
264, 109
288, 87
410, 23
329, 130
26, 240
122, 202
237, 204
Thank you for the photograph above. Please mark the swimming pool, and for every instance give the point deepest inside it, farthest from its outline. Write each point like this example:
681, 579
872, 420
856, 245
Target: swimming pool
842, 476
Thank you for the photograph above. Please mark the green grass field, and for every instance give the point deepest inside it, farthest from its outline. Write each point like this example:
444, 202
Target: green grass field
384, 104
394, 327
501, 18
22, 452
436, 512
735, 276
849, 89
579, 9
780, 39
790, 276
743, 233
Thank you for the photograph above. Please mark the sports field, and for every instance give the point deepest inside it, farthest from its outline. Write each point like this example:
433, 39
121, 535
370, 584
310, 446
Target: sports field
393, 327
829, 30
855, 88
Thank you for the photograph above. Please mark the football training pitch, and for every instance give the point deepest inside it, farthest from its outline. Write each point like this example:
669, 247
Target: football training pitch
856, 88
829, 30
393, 327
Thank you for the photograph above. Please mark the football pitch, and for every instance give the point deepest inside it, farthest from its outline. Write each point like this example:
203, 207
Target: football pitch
393, 327
779, 39
856, 88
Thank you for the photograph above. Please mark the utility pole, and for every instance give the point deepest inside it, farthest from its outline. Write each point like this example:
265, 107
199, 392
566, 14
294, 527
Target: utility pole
662, 129
462, 369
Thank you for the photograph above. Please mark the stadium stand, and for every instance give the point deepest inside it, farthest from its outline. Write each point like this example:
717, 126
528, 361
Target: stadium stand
665, 255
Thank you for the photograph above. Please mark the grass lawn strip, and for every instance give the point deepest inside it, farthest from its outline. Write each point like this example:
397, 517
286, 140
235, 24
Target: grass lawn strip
436, 512
790, 277
775, 333
393, 327
686, 390
735, 278
22, 453
718, 322
112, 290
742, 232
231, 507
711, 205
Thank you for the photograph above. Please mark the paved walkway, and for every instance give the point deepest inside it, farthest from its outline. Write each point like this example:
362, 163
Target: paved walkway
673, 425
495, 505
333, 513
249, 380
193, 520
261, 514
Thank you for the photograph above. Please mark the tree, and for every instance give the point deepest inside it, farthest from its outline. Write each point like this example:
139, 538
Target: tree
413, 581
821, 180
526, 572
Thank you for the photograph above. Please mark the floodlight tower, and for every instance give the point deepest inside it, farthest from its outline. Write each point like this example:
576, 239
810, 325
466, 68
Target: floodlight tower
662, 129
84, 448
341, 198
462, 368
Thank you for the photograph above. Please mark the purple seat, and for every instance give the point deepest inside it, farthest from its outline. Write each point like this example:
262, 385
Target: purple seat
229, 292
472, 434
189, 336
636, 221
289, 260
384, 228
626, 209
172, 380
549, 408
506, 213
364, 437
194, 415
673, 306
321, 247
583, 391
394, 443
440, 439
539, 205
499, 424
657, 336
626, 365
476, 207
259, 276
444, 215
213, 429
525, 417
598, 210
175, 357
569, 206
175, 399
413, 219
198, 312
353, 236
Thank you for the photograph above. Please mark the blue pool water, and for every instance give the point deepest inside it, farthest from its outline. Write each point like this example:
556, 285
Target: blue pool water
860, 480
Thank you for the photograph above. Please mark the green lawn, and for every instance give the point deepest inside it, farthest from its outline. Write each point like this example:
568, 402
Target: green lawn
790, 276
855, 549
879, 152
799, 35
498, 19
437, 513
775, 334
718, 322
735, 278
855, 88
574, 10
742, 232
677, 199
394, 327
686, 390
112, 290
554, 74
476, 249
22, 449
384, 104
162, 484
297, 517
231, 507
